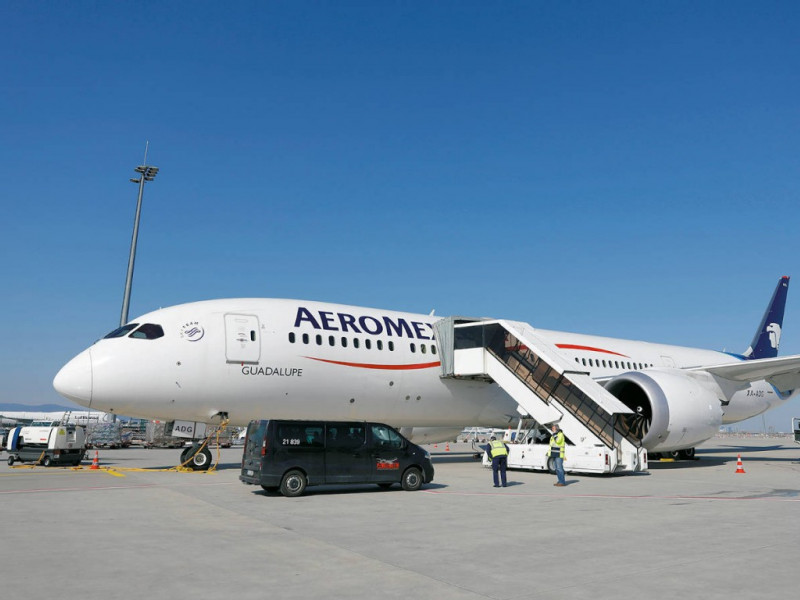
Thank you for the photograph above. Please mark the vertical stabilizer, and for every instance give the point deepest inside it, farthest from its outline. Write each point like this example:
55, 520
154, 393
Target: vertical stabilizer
768, 337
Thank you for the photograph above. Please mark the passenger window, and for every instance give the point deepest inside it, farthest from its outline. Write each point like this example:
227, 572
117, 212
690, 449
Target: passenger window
319, 340
423, 348
368, 344
291, 337
380, 344
121, 331
413, 348
331, 340
433, 349
305, 338
385, 437
355, 343
391, 346
583, 360
344, 342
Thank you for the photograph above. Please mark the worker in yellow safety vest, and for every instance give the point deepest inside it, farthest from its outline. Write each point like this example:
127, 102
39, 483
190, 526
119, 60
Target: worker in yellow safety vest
498, 452
557, 447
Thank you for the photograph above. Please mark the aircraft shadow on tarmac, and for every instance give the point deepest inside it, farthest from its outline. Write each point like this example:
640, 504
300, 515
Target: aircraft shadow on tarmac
359, 488
458, 457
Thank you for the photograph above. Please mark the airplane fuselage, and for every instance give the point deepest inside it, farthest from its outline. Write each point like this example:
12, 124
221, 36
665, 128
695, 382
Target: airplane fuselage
270, 358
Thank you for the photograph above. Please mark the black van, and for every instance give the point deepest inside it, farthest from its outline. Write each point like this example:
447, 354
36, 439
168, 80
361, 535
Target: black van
290, 455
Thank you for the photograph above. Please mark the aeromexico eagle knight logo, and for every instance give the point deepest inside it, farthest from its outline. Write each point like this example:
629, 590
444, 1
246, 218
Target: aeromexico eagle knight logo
774, 331
192, 331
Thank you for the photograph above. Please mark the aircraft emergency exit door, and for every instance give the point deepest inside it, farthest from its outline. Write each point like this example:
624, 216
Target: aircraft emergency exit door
242, 339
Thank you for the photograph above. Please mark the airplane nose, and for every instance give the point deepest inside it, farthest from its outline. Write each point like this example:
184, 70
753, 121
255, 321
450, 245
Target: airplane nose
74, 380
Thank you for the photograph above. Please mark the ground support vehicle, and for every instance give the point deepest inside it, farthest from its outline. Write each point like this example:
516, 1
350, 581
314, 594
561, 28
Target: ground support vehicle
47, 444
796, 429
291, 455
531, 454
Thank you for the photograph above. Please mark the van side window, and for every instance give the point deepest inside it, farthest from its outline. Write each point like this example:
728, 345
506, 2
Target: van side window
345, 436
300, 435
385, 437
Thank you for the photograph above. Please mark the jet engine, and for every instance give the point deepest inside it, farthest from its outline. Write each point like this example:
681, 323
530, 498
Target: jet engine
430, 435
679, 409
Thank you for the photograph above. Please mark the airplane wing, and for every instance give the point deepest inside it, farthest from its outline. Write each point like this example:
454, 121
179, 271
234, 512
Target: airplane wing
783, 372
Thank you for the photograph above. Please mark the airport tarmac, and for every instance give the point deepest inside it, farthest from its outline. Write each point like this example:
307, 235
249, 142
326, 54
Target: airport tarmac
691, 529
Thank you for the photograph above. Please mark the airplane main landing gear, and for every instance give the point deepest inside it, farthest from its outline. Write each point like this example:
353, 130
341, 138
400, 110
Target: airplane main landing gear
199, 460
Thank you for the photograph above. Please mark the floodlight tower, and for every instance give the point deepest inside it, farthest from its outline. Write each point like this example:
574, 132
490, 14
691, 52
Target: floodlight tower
145, 174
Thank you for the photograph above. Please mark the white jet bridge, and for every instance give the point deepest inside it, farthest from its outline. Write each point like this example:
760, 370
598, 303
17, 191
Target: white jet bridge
545, 385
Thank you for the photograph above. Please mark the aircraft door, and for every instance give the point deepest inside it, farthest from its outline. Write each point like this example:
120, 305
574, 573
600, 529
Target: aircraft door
242, 339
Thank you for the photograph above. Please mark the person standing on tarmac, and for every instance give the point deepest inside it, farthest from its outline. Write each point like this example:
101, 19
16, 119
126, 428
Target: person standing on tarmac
498, 452
557, 446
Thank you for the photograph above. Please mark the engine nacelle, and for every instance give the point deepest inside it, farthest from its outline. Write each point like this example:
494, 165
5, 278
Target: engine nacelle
430, 435
680, 409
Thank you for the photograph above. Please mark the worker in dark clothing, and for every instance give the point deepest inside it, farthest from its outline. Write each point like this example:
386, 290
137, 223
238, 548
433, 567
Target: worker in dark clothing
498, 452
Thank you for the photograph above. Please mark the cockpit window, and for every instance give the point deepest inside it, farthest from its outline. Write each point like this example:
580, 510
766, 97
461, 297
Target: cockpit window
121, 331
148, 331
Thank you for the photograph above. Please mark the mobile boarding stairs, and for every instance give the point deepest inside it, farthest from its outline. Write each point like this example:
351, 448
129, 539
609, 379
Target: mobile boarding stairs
545, 385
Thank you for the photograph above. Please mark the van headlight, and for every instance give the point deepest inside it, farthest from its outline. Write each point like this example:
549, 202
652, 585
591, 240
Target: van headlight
427, 454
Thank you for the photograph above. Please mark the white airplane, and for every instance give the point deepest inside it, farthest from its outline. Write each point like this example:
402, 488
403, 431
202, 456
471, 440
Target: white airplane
243, 359
73, 417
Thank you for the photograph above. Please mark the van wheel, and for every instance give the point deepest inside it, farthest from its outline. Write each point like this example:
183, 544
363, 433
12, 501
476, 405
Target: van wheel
551, 465
47, 461
412, 479
293, 484
10, 460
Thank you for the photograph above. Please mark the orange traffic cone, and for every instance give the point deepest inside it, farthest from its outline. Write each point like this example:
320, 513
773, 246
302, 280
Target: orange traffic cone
436, 445
447, 447
95, 464
739, 467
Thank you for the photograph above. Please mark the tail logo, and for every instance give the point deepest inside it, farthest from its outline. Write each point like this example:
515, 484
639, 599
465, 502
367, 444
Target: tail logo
774, 331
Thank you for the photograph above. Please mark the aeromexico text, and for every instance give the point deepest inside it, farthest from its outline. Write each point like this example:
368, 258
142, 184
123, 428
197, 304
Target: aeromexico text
365, 324
347, 323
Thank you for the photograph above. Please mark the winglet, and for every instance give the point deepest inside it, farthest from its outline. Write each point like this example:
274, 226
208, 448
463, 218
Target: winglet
768, 337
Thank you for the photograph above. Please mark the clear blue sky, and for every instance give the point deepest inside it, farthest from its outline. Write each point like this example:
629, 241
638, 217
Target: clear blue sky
620, 168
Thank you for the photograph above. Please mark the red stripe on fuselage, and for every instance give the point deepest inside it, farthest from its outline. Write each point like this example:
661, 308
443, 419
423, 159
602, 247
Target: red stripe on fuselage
374, 366
590, 349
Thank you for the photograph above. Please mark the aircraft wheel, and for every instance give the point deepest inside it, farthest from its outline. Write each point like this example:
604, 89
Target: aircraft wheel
201, 461
412, 479
687, 454
294, 484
